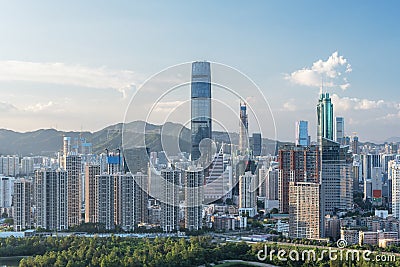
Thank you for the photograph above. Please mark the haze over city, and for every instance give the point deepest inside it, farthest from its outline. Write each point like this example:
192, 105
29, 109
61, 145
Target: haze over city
75, 65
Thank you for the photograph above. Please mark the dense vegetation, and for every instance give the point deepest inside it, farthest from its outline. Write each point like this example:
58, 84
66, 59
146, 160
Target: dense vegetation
118, 251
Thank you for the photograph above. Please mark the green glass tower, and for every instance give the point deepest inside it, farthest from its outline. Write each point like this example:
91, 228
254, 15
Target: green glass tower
325, 117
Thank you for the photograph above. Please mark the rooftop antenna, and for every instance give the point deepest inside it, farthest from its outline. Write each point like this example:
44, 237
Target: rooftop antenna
322, 85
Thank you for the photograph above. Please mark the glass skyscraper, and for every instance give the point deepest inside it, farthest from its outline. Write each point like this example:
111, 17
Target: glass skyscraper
325, 117
201, 108
302, 138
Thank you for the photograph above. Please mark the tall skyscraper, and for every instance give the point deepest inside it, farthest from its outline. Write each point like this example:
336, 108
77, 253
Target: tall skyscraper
336, 179
170, 200
22, 204
73, 167
243, 129
257, 144
325, 117
302, 138
296, 164
50, 199
201, 108
394, 169
90, 192
340, 130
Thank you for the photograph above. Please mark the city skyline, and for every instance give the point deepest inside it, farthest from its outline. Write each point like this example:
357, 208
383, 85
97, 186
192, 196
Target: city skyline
46, 82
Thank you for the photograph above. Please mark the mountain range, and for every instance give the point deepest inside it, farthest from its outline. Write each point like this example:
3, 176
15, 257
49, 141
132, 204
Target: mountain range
46, 142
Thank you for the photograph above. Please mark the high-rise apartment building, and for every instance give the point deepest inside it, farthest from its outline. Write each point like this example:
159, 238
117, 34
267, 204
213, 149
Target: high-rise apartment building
73, 167
170, 200
105, 200
304, 210
201, 109
91, 171
394, 169
247, 194
193, 184
50, 199
9, 165
22, 214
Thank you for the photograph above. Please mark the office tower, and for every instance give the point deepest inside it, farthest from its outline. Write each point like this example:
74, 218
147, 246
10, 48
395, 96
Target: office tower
296, 164
170, 200
257, 144
325, 117
27, 166
304, 210
136, 159
302, 138
73, 168
394, 169
355, 146
141, 197
50, 199
193, 184
9, 165
6, 191
90, 192
105, 200
214, 187
243, 130
247, 194
22, 204
340, 130
201, 109
336, 179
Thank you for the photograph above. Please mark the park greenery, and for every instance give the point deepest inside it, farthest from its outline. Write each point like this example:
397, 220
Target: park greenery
124, 251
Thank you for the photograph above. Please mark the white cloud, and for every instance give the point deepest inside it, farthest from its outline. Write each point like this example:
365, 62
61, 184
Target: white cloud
329, 72
39, 106
347, 103
289, 105
59, 73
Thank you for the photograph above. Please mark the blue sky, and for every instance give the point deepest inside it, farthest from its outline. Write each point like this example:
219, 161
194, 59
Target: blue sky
67, 64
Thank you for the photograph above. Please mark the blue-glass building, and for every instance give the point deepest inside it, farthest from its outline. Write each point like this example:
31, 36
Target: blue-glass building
325, 117
302, 138
200, 105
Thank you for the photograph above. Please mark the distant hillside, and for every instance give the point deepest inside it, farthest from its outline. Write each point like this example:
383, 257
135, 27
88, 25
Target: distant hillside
49, 141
